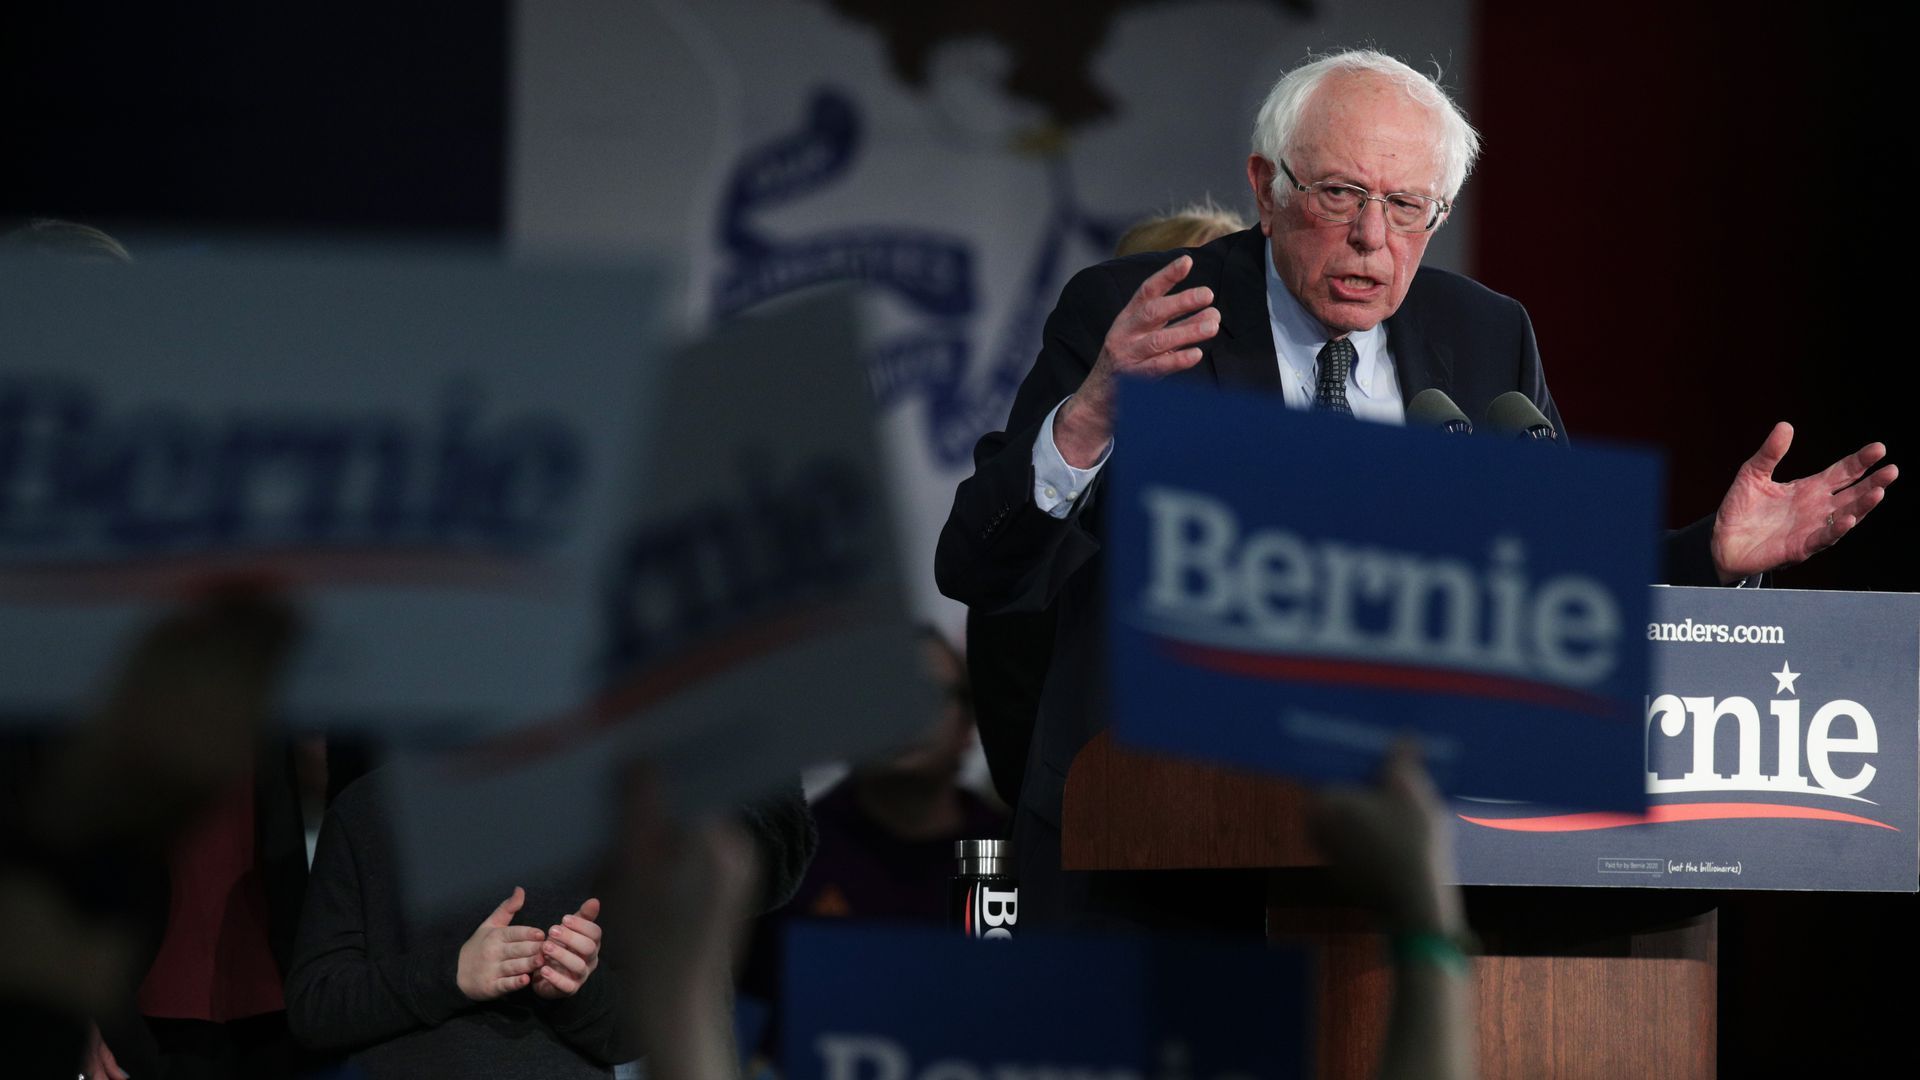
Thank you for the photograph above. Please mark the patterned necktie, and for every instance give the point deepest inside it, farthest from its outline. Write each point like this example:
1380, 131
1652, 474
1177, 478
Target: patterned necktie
1336, 360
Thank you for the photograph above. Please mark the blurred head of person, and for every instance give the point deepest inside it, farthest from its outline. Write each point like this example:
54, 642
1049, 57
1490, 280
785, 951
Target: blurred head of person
1190, 226
937, 758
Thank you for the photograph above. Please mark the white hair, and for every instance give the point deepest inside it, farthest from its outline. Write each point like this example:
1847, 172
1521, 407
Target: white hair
1278, 124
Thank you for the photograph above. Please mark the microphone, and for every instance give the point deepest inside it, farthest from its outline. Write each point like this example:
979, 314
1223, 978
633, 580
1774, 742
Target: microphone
1433, 408
1513, 413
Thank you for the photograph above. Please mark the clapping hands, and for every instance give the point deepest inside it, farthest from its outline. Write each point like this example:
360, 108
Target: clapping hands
571, 954
500, 957
556, 962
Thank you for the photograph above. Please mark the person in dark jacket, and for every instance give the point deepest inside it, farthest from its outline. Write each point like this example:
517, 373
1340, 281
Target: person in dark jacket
501, 987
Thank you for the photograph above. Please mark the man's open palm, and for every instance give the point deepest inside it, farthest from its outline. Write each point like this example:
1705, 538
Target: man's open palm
1764, 524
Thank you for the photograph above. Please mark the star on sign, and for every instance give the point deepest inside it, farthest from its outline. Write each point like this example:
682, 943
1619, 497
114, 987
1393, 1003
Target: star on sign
1785, 677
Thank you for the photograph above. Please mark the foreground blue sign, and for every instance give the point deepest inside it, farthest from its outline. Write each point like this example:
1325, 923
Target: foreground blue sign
1291, 591
1780, 741
865, 1002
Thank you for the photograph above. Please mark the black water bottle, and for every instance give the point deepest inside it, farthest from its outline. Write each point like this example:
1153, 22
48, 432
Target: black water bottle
986, 895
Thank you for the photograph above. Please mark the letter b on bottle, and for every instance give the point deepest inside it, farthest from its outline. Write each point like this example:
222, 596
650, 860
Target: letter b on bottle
999, 911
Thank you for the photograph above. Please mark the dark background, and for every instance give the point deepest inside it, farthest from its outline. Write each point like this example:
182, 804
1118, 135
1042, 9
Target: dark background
1699, 205
1711, 284
1659, 190
322, 118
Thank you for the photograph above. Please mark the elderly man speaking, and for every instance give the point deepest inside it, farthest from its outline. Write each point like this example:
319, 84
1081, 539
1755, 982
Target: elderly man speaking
1356, 160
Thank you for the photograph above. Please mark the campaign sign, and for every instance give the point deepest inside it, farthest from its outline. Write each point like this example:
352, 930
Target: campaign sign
1780, 741
868, 1002
431, 454
751, 621
1291, 591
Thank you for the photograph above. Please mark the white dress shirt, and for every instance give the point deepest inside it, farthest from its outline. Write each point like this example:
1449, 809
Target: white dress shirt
1373, 387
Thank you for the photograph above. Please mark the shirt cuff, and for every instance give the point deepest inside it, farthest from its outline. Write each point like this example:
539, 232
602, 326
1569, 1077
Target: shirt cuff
1057, 486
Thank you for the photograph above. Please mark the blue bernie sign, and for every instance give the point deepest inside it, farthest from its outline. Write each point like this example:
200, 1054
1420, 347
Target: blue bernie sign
878, 1002
1780, 754
1292, 591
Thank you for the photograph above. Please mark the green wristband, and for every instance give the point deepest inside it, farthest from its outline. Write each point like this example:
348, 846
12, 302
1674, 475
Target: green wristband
1425, 947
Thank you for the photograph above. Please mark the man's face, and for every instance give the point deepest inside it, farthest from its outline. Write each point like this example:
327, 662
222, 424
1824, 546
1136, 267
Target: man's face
1361, 130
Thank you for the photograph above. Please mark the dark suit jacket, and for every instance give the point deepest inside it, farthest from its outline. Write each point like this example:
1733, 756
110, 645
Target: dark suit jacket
1000, 553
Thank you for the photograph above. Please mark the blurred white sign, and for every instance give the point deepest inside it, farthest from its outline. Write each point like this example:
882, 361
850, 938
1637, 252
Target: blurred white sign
754, 618
431, 455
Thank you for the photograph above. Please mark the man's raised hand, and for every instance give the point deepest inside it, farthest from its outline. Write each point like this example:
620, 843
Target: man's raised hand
571, 953
1158, 333
500, 957
1765, 525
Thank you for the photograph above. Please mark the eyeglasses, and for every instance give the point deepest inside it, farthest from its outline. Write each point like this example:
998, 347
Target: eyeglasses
1406, 212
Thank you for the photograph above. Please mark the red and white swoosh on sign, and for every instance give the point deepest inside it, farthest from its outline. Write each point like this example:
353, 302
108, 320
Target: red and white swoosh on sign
1375, 675
1672, 812
712, 660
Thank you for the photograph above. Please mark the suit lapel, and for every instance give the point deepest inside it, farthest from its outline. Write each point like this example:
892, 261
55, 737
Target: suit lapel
1243, 356
1242, 353
1419, 363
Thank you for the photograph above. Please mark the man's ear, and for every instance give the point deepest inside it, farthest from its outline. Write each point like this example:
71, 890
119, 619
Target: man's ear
1260, 174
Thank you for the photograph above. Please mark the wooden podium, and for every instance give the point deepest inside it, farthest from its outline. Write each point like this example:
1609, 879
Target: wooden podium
1600, 983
